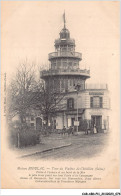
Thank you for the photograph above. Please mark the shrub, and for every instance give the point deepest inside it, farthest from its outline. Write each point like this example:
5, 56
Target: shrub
13, 137
27, 136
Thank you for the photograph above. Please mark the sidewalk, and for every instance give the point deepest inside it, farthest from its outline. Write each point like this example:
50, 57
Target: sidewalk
47, 143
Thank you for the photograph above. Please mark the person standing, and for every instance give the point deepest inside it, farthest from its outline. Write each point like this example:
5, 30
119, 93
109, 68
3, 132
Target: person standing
64, 130
72, 130
95, 130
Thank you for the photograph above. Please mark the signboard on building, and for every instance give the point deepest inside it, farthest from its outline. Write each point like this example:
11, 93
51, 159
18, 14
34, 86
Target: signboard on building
69, 122
96, 93
76, 123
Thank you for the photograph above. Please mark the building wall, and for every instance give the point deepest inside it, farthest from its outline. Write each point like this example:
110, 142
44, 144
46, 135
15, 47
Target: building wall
64, 116
84, 99
84, 103
103, 113
96, 112
97, 92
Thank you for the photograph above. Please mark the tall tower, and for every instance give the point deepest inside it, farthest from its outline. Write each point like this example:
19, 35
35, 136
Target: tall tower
65, 73
66, 77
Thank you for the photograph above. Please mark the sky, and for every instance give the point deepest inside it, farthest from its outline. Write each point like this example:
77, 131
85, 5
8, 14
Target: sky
29, 29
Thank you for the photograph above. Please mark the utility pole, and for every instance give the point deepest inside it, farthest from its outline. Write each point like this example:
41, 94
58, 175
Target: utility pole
18, 140
77, 112
77, 87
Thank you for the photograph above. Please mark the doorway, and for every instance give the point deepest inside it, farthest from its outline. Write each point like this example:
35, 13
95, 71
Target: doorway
97, 120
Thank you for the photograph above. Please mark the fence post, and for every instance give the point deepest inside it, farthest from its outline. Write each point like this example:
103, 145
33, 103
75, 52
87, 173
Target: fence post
18, 137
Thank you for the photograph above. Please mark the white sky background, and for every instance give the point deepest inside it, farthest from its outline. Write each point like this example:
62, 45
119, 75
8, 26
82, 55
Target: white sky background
29, 30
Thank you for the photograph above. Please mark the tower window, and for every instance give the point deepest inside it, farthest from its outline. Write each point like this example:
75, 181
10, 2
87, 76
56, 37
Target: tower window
70, 64
64, 49
59, 63
71, 82
65, 65
62, 83
70, 103
54, 65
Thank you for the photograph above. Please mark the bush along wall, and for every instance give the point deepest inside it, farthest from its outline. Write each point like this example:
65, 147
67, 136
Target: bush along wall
28, 137
24, 136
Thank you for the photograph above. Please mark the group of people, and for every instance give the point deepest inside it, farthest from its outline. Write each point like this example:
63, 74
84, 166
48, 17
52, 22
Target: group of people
94, 130
69, 131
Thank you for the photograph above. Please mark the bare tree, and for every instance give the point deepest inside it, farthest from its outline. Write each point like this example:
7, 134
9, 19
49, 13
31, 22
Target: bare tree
48, 101
20, 90
26, 92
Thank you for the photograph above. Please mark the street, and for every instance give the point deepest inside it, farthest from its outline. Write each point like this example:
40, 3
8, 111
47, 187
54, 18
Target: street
81, 146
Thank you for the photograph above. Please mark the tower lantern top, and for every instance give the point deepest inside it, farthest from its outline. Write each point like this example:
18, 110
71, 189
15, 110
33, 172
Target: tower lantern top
64, 34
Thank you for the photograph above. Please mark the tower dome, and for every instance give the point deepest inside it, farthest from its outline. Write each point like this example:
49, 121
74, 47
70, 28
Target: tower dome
64, 34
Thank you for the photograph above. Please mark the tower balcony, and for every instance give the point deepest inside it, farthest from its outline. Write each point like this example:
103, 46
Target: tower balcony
70, 54
67, 72
64, 42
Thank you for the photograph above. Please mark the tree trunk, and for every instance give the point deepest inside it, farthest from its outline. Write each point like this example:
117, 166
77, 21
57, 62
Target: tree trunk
46, 120
23, 118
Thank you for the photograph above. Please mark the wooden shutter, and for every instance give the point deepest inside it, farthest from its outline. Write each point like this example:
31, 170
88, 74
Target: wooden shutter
101, 102
72, 103
91, 102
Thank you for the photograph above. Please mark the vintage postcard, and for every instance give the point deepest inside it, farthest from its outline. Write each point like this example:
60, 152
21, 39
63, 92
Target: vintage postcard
60, 94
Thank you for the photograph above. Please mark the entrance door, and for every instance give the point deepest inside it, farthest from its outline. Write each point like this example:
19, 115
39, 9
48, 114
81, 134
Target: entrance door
38, 123
72, 121
97, 120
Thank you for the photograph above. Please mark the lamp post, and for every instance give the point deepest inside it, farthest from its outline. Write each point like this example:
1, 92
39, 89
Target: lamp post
77, 87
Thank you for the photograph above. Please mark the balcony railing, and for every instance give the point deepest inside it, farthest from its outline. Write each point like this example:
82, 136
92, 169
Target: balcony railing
50, 72
65, 54
67, 41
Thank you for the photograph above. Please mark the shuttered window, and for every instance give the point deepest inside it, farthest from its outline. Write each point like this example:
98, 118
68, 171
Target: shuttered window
91, 102
101, 102
70, 103
96, 102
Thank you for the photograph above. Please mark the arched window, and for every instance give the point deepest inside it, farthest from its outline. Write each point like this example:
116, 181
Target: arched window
70, 103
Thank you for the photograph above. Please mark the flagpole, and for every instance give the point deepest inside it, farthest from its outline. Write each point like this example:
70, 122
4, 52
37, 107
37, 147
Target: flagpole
64, 20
